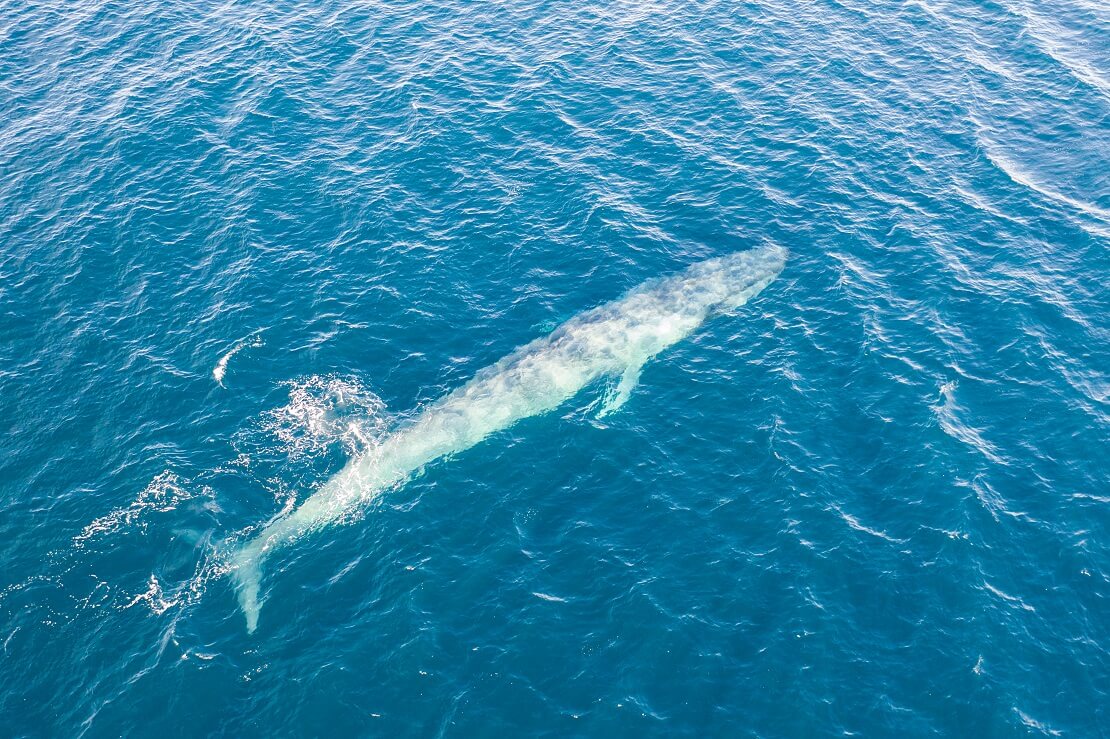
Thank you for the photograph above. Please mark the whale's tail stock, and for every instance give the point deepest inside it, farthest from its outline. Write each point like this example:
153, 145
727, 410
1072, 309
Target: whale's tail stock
246, 566
247, 575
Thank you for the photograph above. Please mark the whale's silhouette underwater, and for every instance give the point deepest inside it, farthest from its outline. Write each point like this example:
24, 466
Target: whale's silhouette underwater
614, 340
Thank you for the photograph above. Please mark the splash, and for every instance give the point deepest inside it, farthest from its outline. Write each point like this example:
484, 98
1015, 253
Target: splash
614, 340
162, 494
155, 598
324, 411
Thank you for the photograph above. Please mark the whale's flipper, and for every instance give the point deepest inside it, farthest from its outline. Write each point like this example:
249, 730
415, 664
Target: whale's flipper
617, 397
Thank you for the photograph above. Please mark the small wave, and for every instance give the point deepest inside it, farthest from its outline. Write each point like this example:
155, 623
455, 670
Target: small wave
854, 523
220, 369
1032, 723
1021, 177
1011, 599
947, 413
1061, 45
991, 500
550, 598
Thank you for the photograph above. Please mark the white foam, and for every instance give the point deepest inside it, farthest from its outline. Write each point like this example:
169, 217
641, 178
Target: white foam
164, 493
854, 523
324, 410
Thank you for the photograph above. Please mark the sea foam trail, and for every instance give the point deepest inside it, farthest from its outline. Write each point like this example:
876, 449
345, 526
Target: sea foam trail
615, 339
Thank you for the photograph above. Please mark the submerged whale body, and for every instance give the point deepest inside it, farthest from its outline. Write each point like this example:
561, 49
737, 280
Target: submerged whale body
613, 340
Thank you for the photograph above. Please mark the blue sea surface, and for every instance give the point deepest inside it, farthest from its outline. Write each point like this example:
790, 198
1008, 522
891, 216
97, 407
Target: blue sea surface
241, 241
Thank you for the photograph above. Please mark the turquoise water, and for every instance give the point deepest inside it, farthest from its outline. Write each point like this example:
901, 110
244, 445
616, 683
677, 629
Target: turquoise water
243, 244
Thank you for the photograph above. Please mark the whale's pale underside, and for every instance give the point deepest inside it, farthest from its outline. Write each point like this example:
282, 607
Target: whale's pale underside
613, 340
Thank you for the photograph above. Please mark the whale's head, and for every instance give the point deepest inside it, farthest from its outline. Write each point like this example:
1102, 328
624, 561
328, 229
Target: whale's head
726, 283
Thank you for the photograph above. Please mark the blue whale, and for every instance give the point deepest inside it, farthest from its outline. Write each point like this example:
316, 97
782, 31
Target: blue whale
613, 340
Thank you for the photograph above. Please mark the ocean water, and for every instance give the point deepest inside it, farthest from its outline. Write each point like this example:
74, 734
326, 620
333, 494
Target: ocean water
241, 242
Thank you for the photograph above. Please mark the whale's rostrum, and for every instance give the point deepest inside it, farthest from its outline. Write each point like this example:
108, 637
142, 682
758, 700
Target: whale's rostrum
613, 340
